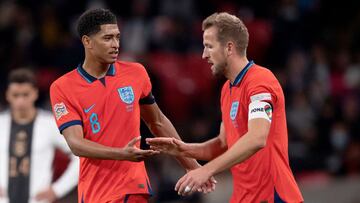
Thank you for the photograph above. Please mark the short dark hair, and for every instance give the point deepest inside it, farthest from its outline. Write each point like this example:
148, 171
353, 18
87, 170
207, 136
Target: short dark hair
22, 75
229, 27
90, 21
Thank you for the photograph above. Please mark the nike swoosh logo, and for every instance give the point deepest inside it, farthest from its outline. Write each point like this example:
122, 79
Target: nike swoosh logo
88, 109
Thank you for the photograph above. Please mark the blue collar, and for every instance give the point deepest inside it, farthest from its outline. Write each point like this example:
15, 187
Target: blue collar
242, 73
89, 78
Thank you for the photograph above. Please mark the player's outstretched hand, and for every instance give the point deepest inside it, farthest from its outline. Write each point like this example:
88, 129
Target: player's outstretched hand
208, 186
132, 153
171, 146
196, 180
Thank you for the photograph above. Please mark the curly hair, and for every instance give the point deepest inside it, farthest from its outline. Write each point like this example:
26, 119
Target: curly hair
90, 21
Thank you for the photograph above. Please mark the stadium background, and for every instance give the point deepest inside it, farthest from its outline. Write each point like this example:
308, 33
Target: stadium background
312, 46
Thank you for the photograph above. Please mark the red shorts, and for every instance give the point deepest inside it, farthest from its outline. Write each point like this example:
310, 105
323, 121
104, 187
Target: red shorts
132, 198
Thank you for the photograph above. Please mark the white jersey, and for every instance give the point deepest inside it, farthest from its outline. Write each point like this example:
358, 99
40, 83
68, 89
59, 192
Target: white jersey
45, 139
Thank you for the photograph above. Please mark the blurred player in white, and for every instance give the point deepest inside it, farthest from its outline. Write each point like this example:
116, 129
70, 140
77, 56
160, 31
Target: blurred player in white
28, 139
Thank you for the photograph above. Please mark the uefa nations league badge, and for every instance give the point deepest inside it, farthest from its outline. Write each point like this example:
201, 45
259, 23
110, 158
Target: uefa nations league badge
126, 94
234, 110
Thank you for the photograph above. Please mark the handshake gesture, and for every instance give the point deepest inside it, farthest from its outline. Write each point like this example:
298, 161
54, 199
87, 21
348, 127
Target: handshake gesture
197, 180
132, 153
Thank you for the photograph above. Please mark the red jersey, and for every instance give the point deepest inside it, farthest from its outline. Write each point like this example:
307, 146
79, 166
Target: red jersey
108, 110
267, 173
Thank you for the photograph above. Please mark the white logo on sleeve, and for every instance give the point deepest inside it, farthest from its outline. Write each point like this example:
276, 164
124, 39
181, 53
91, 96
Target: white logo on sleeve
261, 97
60, 110
259, 109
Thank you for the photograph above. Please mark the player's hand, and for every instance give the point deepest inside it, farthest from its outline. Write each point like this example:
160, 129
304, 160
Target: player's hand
132, 153
171, 146
175, 147
47, 195
209, 186
196, 180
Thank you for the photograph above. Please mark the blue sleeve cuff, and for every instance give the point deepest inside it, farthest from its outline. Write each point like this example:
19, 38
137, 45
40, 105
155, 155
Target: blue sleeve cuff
150, 99
68, 124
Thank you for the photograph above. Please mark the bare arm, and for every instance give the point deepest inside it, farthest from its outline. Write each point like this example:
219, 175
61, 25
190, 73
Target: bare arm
210, 149
202, 151
253, 141
160, 126
86, 148
246, 146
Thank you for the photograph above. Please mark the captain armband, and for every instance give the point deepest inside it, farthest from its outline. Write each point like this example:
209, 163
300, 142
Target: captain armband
260, 109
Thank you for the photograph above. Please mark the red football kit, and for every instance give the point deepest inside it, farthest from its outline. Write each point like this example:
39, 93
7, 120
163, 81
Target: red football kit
108, 109
266, 176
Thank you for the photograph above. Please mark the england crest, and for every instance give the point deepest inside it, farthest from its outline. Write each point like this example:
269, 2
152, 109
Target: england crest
126, 94
234, 110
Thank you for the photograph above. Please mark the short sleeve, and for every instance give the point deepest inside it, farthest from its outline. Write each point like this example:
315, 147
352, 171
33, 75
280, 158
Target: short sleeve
146, 97
146, 90
261, 97
63, 110
261, 90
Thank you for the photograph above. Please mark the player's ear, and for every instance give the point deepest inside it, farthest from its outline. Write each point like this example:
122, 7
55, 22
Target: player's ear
229, 48
86, 41
36, 93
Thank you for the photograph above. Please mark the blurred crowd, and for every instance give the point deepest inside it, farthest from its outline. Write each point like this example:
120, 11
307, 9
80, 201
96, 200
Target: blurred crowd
312, 46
